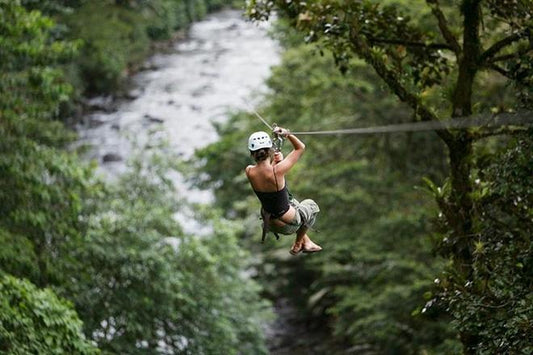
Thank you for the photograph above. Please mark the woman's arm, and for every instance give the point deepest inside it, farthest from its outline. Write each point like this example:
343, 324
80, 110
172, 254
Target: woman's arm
298, 149
278, 157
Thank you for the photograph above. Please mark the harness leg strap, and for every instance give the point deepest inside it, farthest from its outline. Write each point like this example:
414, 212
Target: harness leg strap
265, 216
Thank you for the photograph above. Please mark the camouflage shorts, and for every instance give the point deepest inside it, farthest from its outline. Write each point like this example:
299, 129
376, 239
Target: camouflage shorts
305, 215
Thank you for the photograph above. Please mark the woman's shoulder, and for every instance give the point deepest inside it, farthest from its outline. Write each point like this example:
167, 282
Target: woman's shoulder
248, 169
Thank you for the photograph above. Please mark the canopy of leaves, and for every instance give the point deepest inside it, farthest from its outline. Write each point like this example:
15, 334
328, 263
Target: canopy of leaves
495, 301
34, 321
40, 187
146, 286
440, 59
114, 250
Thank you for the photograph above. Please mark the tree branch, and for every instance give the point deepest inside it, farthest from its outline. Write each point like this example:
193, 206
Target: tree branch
443, 26
501, 44
500, 70
498, 132
435, 46
502, 58
389, 76
504, 123
517, 54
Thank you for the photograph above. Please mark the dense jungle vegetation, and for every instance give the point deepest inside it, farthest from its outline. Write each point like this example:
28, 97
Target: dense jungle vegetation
426, 236
88, 266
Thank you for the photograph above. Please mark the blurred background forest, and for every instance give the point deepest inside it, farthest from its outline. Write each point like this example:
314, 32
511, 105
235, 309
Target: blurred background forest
426, 235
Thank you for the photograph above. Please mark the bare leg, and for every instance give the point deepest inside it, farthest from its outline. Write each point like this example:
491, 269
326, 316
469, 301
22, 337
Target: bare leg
298, 242
301, 234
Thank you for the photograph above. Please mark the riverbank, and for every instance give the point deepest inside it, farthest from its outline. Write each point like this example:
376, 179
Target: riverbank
114, 46
218, 69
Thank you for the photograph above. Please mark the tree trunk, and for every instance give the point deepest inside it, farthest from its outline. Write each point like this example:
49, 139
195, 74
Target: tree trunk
460, 149
469, 59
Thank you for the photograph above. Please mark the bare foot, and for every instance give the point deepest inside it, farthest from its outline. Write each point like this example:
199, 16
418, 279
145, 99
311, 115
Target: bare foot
296, 249
310, 247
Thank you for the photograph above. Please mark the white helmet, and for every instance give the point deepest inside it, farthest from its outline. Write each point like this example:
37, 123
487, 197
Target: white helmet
259, 140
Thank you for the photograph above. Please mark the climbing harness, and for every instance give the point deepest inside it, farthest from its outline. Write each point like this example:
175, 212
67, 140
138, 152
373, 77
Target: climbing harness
265, 216
505, 119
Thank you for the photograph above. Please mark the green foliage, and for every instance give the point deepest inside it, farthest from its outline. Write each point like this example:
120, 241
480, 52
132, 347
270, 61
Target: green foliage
494, 302
144, 286
117, 35
213, 5
52, 7
34, 321
41, 197
40, 187
114, 250
445, 59
32, 86
195, 9
168, 16
377, 260
378, 287
114, 38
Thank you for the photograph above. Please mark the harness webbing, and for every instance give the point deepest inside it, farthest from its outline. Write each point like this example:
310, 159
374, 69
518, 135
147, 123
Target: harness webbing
265, 216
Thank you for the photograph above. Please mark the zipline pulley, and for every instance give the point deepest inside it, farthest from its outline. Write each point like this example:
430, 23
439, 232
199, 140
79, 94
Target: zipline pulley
277, 140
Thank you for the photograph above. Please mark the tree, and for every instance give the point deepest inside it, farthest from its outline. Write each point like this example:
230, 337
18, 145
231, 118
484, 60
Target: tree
34, 321
104, 247
434, 56
40, 187
147, 287
497, 300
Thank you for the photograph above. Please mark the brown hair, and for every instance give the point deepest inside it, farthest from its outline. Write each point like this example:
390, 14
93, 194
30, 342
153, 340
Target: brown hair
262, 154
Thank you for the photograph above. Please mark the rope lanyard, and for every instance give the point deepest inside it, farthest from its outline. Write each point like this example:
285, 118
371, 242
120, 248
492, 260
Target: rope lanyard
263, 120
505, 119
277, 140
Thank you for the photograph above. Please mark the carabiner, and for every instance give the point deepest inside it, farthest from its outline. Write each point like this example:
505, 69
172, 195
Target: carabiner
277, 140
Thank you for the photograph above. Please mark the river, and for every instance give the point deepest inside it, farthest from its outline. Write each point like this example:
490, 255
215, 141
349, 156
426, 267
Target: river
220, 67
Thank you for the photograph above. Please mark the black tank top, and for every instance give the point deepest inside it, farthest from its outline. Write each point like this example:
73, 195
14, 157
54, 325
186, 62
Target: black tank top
276, 202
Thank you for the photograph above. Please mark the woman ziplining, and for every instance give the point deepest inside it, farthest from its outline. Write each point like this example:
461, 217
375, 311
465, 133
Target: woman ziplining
280, 211
284, 215
512, 121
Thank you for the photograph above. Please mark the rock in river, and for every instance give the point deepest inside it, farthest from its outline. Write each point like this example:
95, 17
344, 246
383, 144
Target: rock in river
111, 157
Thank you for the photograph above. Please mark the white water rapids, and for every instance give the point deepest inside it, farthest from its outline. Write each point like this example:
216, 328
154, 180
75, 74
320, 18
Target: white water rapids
220, 67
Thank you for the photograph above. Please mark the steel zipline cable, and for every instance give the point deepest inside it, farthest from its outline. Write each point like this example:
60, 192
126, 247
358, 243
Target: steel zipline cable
478, 121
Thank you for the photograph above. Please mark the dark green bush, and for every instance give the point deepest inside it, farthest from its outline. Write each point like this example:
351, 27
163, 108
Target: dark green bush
34, 321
